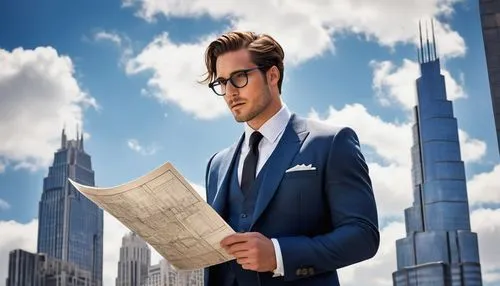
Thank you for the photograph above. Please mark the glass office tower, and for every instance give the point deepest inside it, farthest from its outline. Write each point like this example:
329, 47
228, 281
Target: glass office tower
490, 22
70, 226
439, 248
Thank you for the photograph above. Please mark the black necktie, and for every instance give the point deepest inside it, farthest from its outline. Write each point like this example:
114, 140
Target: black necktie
250, 164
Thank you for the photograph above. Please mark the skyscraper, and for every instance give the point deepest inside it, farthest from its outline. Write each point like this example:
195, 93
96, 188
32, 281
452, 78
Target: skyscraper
34, 269
490, 22
134, 262
439, 247
70, 226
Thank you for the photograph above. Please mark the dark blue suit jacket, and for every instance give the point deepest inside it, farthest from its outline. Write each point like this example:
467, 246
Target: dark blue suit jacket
324, 219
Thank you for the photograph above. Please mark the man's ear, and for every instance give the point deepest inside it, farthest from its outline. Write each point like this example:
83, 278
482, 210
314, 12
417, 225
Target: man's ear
273, 75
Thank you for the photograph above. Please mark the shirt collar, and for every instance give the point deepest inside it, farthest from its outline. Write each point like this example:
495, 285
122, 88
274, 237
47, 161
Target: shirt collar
273, 127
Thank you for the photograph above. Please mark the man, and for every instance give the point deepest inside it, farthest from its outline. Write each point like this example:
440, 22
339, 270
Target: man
297, 192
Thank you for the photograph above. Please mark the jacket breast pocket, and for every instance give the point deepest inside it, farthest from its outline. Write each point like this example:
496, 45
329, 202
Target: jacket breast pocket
307, 174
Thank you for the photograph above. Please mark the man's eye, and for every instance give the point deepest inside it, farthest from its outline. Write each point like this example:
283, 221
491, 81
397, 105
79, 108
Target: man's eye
240, 74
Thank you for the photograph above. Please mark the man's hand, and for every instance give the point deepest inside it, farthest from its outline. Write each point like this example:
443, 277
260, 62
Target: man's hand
253, 251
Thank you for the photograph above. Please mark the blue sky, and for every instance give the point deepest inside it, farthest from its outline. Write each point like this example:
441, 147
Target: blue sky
125, 72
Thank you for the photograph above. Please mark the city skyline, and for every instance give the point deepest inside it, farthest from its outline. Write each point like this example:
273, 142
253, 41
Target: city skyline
125, 71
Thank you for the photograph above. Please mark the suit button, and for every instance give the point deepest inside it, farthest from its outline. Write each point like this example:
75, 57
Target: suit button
243, 215
304, 272
298, 272
311, 271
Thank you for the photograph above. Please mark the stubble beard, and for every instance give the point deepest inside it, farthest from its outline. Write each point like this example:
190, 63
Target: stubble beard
255, 111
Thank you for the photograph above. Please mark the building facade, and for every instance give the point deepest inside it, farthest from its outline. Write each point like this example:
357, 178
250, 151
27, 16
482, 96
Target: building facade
439, 247
70, 226
163, 274
24, 268
155, 275
490, 22
134, 262
33, 269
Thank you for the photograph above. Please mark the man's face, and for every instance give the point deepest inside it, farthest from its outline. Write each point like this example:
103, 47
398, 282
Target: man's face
248, 102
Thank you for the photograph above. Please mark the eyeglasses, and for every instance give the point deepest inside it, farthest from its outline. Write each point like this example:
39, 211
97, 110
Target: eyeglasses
237, 78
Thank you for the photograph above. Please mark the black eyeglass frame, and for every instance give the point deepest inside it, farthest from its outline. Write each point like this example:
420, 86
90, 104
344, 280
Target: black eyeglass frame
212, 85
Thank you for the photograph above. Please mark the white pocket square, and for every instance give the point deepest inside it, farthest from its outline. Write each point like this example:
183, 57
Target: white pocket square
301, 167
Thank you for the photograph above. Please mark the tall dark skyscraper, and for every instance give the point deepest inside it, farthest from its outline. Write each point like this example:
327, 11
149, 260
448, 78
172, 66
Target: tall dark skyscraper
490, 22
70, 226
439, 247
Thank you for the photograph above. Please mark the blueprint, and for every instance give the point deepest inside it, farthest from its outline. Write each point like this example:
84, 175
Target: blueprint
165, 210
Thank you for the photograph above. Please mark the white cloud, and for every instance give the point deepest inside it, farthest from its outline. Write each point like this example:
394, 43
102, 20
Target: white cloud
393, 84
176, 67
392, 187
122, 42
378, 270
39, 95
471, 149
486, 222
295, 22
484, 187
137, 147
372, 131
108, 36
4, 205
15, 236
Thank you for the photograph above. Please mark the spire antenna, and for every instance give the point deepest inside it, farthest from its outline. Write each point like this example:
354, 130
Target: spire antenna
434, 39
428, 44
81, 140
63, 136
421, 44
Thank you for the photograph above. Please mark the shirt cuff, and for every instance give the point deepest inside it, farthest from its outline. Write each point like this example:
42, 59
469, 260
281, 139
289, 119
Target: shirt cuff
279, 271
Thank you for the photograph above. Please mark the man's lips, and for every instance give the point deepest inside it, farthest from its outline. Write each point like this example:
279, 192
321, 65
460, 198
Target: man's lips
237, 104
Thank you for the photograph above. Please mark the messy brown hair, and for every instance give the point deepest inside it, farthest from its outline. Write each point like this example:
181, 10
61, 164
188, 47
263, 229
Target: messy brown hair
264, 51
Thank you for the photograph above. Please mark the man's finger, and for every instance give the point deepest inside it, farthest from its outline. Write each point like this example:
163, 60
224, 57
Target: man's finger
235, 247
234, 238
241, 254
243, 260
247, 263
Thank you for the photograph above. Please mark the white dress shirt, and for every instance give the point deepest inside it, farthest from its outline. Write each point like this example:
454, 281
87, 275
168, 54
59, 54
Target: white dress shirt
272, 130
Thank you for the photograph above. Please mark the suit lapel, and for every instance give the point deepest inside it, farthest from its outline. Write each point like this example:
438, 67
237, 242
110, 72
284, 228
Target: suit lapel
279, 162
225, 168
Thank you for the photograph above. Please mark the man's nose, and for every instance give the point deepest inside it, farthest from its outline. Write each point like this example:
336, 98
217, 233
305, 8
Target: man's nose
231, 90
